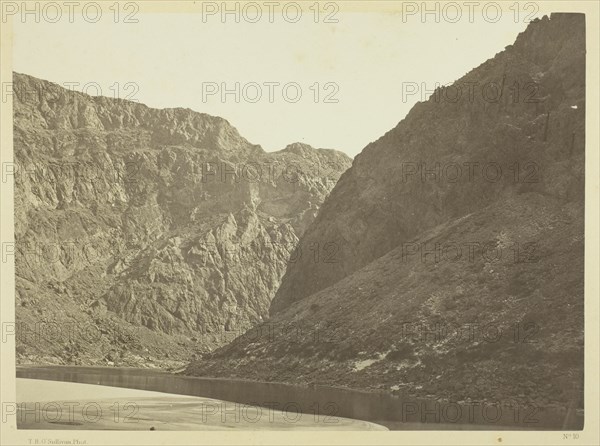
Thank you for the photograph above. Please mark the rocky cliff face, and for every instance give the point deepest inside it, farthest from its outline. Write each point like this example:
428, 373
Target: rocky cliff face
463, 286
514, 124
161, 229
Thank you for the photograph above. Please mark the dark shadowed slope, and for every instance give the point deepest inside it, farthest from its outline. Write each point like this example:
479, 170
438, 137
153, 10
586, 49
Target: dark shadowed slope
457, 290
521, 112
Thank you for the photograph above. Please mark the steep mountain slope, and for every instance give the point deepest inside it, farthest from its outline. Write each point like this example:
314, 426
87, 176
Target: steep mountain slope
159, 229
454, 290
501, 323
513, 124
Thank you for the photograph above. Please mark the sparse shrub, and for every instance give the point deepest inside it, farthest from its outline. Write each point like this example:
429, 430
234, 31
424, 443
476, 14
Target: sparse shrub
450, 304
403, 351
20, 350
346, 351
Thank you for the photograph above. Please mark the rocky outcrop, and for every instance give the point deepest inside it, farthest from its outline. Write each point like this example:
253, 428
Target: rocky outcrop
165, 223
452, 288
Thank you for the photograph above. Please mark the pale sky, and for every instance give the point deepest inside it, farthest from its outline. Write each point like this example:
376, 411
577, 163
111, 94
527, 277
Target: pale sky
172, 58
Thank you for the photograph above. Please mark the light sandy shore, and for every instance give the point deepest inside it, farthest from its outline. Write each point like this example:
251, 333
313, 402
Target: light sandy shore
63, 405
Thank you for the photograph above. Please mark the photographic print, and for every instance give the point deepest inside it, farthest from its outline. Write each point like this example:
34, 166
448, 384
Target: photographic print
374, 217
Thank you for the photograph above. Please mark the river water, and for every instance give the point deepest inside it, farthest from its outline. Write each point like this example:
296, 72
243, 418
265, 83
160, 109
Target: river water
236, 403
101, 398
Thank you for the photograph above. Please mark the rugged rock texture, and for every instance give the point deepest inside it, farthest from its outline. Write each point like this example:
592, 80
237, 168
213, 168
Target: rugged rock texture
503, 324
455, 289
379, 203
164, 230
